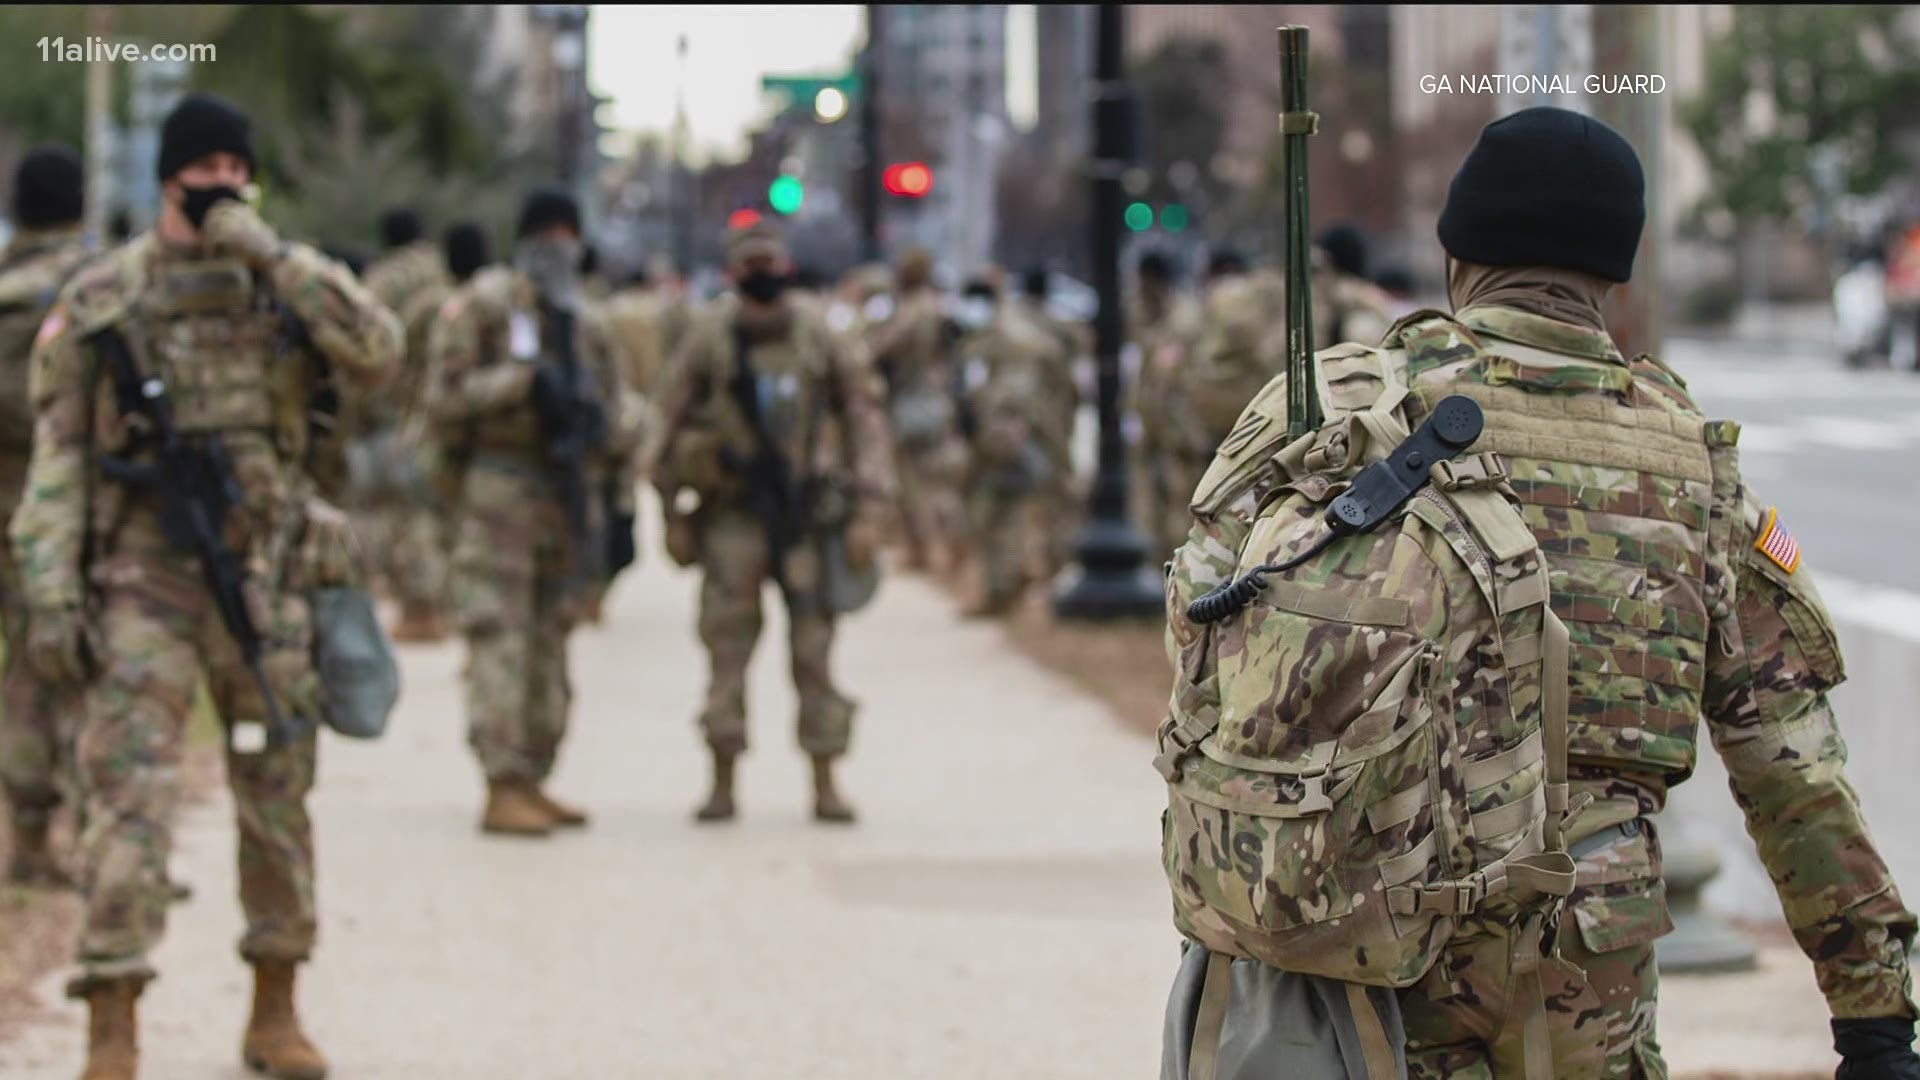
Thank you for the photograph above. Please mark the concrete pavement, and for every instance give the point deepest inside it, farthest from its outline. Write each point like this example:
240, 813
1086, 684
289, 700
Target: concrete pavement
997, 912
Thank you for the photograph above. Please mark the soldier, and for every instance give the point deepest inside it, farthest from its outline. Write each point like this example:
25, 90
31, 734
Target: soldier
1013, 421
46, 248
527, 395
388, 490
762, 408
199, 308
1060, 512
909, 351
420, 526
1166, 323
635, 316
1347, 306
1686, 598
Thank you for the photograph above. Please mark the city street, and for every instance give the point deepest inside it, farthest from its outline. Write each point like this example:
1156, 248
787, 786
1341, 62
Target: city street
998, 911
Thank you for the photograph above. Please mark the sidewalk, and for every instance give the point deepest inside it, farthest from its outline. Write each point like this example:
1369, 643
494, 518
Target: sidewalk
998, 912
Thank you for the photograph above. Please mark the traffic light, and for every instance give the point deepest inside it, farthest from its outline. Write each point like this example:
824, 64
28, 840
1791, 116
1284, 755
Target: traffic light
1139, 217
785, 193
910, 179
744, 218
1173, 217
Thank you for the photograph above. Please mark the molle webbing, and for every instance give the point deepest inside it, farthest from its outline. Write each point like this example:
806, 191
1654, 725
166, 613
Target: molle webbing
1589, 430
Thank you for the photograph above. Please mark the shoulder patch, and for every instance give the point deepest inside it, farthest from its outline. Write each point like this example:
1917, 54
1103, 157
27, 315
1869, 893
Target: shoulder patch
1777, 544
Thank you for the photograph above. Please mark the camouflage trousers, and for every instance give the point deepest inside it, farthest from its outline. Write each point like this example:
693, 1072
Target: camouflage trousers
34, 716
409, 545
514, 597
931, 509
1004, 535
733, 554
160, 632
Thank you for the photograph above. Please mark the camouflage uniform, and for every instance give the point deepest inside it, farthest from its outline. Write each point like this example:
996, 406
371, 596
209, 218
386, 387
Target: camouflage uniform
1060, 398
32, 269
87, 544
1678, 611
1164, 333
909, 352
520, 579
393, 509
829, 426
1015, 458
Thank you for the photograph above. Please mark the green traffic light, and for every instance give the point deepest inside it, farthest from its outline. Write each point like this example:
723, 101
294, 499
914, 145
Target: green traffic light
1173, 217
785, 193
1139, 217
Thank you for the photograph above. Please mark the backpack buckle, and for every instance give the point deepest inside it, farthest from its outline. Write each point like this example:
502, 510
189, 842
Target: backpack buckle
1313, 795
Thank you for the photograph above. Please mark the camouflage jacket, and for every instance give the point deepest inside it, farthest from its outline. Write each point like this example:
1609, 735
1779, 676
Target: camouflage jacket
637, 322
32, 268
827, 417
1012, 367
907, 348
1164, 342
485, 345
396, 281
230, 372
1685, 600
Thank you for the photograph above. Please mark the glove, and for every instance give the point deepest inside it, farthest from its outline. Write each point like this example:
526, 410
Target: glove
1875, 1049
61, 646
622, 549
683, 540
866, 534
234, 228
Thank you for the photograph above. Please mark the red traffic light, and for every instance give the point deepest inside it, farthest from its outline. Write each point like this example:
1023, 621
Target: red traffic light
909, 178
744, 218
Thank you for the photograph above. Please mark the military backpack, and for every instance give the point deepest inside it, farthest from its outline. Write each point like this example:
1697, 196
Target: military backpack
1366, 742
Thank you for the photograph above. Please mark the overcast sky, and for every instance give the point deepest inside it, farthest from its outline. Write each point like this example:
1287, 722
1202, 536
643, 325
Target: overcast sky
632, 60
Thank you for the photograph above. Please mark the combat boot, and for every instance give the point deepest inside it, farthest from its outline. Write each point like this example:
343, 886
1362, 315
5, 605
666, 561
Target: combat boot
564, 816
512, 811
113, 1047
274, 1043
827, 803
719, 805
33, 863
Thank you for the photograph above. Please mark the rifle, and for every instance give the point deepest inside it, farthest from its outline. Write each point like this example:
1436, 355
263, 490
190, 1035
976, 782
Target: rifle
1296, 123
571, 427
197, 490
772, 493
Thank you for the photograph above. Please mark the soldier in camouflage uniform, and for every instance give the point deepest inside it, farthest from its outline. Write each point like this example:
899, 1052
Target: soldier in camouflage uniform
1165, 323
1686, 599
422, 528
46, 248
202, 303
1009, 416
821, 417
1060, 397
501, 395
910, 353
390, 498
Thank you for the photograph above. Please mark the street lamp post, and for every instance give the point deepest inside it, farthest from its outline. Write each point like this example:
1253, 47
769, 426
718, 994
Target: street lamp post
870, 136
1112, 579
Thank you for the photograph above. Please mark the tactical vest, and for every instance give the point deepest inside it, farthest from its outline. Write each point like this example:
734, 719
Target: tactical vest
1372, 747
1611, 466
1229, 363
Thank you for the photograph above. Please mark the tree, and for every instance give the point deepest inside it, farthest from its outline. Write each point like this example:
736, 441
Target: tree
1839, 82
1182, 121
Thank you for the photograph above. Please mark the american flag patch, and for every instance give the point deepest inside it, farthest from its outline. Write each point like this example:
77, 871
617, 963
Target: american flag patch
1778, 544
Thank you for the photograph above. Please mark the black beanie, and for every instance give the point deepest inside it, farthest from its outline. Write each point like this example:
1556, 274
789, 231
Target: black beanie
49, 188
1548, 187
466, 249
203, 124
545, 207
399, 227
1346, 248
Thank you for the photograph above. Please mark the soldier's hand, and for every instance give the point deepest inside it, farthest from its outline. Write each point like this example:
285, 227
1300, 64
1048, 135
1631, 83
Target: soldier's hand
234, 228
866, 534
1875, 1049
60, 646
683, 540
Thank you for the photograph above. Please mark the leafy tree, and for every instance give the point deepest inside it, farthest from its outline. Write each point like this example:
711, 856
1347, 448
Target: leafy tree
1181, 117
1842, 79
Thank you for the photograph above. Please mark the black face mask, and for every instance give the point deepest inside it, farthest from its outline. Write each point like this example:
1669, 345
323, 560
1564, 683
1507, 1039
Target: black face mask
763, 286
199, 201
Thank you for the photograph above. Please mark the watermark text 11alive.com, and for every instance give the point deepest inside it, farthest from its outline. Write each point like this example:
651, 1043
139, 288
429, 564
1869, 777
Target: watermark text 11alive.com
93, 50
